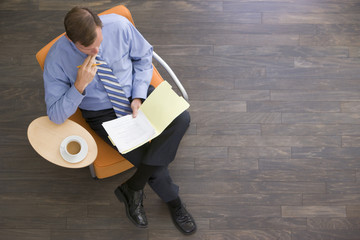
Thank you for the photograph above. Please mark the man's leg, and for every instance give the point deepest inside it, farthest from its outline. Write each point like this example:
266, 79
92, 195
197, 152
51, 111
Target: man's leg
147, 158
162, 149
162, 184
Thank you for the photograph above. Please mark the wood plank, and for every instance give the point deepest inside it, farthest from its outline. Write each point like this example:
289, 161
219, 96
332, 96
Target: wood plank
259, 152
354, 51
309, 129
233, 234
257, 223
245, 23
237, 200
321, 118
350, 141
325, 153
50, 5
228, 95
28, 234
233, 163
100, 223
333, 223
326, 72
294, 176
342, 26
308, 164
353, 211
111, 234
219, 186
288, 106
259, 141
221, 61
319, 62
285, 51
311, 18
235, 118
228, 129
198, 152
50, 198
160, 17
164, 50
350, 106
42, 210
224, 72
329, 40
217, 106
192, 5
342, 187
298, 7
193, 84
11, 5
218, 39
298, 83
32, 223
313, 211
224, 211
330, 199
326, 234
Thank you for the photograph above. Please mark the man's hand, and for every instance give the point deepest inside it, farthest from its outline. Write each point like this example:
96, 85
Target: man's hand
85, 73
135, 105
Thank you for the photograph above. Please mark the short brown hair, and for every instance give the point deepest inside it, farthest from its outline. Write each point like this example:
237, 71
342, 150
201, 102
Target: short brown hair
80, 25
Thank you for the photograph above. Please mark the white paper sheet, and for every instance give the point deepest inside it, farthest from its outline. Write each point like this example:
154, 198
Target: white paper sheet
127, 132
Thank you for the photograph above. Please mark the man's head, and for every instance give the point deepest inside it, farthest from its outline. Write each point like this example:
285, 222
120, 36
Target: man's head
83, 28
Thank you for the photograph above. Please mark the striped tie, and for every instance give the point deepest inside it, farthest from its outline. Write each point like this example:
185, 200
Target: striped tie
116, 94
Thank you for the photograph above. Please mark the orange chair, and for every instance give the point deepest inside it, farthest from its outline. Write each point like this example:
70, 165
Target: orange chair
109, 162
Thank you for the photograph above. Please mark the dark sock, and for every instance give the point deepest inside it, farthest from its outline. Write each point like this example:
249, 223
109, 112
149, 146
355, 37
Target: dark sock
176, 203
139, 179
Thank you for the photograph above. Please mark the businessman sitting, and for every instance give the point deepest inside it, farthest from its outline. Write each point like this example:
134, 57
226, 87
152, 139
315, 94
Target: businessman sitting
113, 81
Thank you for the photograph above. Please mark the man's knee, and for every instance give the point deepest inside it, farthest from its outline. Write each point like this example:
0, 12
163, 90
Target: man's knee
183, 119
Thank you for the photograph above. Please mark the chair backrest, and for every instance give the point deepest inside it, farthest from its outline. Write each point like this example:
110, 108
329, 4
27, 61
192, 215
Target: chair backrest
121, 10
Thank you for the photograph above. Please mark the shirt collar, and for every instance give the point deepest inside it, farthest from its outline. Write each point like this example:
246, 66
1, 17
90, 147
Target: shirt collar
77, 50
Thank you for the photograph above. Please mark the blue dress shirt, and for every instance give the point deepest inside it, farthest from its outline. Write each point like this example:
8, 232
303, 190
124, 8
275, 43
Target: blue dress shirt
123, 48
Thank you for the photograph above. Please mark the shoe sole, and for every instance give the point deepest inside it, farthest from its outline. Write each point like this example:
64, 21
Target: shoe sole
122, 199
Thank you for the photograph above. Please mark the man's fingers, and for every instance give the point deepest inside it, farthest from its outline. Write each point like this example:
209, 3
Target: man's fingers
135, 105
91, 61
86, 61
135, 112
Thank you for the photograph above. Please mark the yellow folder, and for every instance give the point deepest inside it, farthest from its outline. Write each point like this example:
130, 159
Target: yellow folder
155, 114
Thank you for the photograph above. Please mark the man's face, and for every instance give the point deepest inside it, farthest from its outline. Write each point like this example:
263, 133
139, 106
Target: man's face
93, 49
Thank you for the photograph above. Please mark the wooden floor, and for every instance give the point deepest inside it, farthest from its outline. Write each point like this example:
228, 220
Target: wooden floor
273, 151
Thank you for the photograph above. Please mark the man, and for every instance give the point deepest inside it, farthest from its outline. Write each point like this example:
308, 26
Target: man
114, 42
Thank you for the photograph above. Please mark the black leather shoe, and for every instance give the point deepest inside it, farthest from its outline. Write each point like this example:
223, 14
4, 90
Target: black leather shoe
133, 201
183, 220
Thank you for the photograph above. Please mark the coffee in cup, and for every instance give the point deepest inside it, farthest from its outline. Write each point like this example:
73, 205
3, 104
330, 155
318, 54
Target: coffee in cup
73, 147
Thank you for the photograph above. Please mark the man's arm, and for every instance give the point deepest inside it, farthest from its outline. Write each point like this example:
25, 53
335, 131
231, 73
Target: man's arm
140, 53
61, 98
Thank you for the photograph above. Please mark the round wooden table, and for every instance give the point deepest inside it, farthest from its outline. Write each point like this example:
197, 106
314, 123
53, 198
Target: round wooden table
46, 137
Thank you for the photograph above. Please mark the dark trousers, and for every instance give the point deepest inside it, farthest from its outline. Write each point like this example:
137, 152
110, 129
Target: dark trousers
159, 152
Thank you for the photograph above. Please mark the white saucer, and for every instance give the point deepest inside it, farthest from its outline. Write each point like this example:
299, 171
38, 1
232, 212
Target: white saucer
77, 157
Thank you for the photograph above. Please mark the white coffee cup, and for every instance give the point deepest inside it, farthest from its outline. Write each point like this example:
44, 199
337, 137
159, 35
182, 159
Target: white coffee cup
73, 149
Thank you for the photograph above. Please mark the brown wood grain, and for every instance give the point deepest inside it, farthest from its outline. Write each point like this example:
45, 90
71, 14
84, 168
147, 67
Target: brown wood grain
273, 148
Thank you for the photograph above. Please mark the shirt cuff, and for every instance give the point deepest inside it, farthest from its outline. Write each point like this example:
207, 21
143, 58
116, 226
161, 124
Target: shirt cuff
75, 95
139, 92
